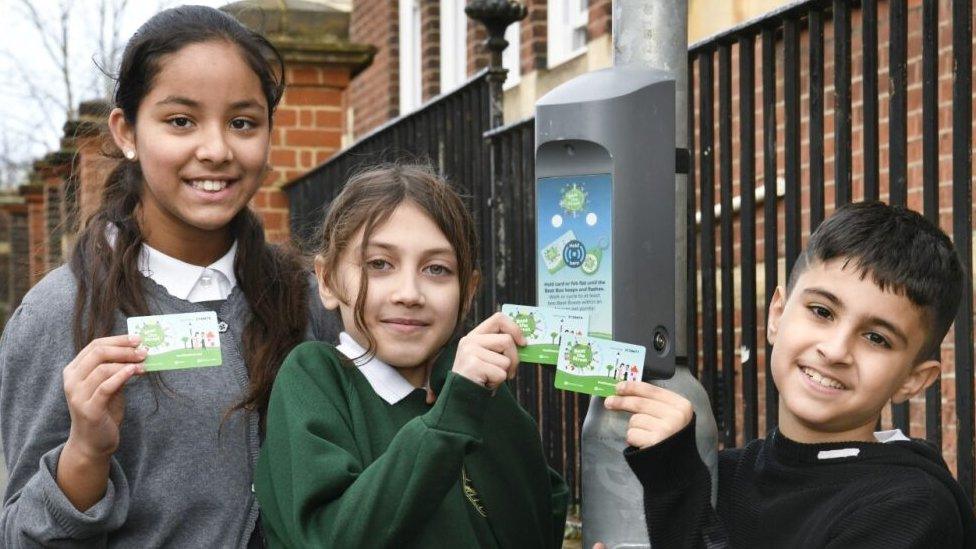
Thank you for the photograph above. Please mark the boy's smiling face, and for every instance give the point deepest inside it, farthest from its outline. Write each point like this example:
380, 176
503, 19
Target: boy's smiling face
842, 349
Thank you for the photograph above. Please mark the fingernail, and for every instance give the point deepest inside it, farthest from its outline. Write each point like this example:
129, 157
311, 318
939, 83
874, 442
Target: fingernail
142, 351
609, 402
140, 368
134, 339
621, 385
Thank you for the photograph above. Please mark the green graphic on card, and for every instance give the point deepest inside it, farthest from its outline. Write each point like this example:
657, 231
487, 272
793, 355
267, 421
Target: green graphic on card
545, 328
594, 366
174, 342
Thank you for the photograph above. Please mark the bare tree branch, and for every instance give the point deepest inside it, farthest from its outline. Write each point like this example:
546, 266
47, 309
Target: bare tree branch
56, 44
51, 96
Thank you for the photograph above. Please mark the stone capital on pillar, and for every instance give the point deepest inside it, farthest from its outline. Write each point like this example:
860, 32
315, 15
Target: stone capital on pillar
313, 39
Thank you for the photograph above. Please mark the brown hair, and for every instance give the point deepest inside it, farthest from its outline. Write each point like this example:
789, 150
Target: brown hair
273, 280
369, 198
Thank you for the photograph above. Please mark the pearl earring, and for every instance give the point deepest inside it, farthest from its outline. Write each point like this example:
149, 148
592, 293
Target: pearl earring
130, 154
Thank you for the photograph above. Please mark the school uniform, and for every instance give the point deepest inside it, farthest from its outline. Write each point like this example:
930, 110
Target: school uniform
355, 457
182, 474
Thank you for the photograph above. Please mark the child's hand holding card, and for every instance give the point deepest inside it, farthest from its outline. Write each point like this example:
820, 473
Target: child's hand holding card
595, 366
545, 328
174, 342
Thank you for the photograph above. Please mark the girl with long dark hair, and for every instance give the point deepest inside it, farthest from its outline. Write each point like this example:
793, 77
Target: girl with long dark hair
100, 453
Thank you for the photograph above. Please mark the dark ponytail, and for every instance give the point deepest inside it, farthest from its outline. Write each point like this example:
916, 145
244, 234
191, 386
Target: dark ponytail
275, 285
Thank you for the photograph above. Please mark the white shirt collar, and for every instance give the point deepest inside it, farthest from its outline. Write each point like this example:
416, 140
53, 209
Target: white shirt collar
190, 282
383, 378
183, 280
891, 435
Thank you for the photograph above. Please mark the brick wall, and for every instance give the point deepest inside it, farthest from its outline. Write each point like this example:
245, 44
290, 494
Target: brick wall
533, 36
92, 167
52, 222
477, 54
19, 267
600, 18
53, 172
4, 265
308, 129
37, 230
374, 94
430, 49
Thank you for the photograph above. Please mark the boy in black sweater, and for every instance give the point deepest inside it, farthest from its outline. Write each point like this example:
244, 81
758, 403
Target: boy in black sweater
858, 326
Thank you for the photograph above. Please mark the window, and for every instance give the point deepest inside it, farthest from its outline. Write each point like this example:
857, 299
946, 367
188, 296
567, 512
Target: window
567, 29
511, 57
410, 91
454, 55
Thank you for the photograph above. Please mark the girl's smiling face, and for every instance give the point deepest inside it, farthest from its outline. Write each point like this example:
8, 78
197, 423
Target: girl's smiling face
202, 139
413, 293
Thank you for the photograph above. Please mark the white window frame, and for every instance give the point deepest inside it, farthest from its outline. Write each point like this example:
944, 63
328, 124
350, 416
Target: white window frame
512, 56
411, 93
566, 18
454, 44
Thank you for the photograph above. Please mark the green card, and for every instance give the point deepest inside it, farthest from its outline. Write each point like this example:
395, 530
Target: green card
175, 342
594, 366
545, 328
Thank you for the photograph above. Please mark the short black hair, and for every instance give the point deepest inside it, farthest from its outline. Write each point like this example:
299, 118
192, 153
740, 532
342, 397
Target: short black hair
902, 252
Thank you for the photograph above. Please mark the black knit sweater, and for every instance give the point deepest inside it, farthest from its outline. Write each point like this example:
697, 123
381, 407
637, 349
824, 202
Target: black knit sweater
780, 493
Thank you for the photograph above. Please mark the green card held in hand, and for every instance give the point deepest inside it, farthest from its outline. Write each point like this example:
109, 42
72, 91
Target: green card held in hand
545, 328
595, 366
175, 342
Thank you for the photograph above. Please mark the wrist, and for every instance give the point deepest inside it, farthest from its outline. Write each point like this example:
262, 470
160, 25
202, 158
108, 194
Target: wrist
82, 476
82, 455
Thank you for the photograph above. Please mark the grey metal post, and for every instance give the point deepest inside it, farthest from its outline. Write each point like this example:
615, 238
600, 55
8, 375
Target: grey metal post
654, 34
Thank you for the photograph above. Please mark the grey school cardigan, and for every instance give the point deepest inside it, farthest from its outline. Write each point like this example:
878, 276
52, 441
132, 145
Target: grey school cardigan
182, 475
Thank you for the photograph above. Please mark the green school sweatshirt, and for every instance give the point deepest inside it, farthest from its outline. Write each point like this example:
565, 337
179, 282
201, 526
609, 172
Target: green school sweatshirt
340, 467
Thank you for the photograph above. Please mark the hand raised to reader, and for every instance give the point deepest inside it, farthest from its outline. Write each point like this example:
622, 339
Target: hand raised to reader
487, 355
658, 413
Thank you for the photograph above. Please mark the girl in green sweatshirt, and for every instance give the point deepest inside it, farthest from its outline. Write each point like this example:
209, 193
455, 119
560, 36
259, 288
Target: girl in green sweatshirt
396, 437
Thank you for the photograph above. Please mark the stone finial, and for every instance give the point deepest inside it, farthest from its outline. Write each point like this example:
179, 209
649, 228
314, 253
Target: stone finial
305, 31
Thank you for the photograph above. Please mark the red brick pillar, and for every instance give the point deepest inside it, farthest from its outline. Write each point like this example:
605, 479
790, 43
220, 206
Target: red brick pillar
310, 122
36, 232
88, 141
51, 172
